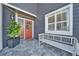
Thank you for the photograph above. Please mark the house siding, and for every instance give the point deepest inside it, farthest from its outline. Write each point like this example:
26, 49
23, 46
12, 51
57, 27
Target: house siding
6, 18
30, 7
49, 7
76, 20
42, 10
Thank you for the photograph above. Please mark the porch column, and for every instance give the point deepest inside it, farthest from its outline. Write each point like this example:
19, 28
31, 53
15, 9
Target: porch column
1, 44
16, 17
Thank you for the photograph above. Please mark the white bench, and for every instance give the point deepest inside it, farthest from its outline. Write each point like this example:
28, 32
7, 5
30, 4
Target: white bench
62, 42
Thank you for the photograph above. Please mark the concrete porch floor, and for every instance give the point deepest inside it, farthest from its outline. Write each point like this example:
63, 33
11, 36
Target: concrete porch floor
32, 48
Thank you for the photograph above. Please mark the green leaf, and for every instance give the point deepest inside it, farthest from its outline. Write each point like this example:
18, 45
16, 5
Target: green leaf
13, 29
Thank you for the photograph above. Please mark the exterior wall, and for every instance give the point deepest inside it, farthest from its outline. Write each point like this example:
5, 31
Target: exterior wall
6, 18
43, 9
76, 20
30, 7
48, 7
40, 10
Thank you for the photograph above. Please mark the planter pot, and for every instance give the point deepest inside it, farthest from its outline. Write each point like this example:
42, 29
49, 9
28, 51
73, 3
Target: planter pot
13, 42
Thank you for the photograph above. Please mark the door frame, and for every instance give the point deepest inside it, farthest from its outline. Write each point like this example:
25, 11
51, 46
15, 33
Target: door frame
24, 25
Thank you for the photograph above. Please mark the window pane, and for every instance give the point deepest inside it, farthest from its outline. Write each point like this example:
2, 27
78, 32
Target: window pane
58, 17
58, 26
64, 26
51, 19
20, 21
64, 16
51, 27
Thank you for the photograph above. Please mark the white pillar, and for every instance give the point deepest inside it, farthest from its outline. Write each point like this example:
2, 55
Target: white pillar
16, 17
24, 28
1, 44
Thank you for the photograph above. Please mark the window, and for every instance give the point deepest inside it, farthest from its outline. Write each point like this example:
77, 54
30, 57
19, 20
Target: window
60, 21
51, 23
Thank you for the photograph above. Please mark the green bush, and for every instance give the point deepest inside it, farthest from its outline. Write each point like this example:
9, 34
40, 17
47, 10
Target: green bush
13, 29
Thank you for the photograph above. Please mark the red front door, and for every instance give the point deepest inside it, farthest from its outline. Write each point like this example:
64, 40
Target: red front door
28, 29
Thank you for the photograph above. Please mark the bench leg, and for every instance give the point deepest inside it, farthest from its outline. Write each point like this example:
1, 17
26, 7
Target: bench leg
74, 54
39, 43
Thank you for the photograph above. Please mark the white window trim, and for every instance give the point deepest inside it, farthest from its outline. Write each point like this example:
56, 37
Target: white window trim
60, 32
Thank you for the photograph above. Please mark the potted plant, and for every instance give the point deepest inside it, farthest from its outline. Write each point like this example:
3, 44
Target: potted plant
13, 33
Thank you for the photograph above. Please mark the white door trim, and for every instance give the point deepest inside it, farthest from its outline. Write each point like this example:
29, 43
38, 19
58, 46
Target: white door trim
24, 26
1, 39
